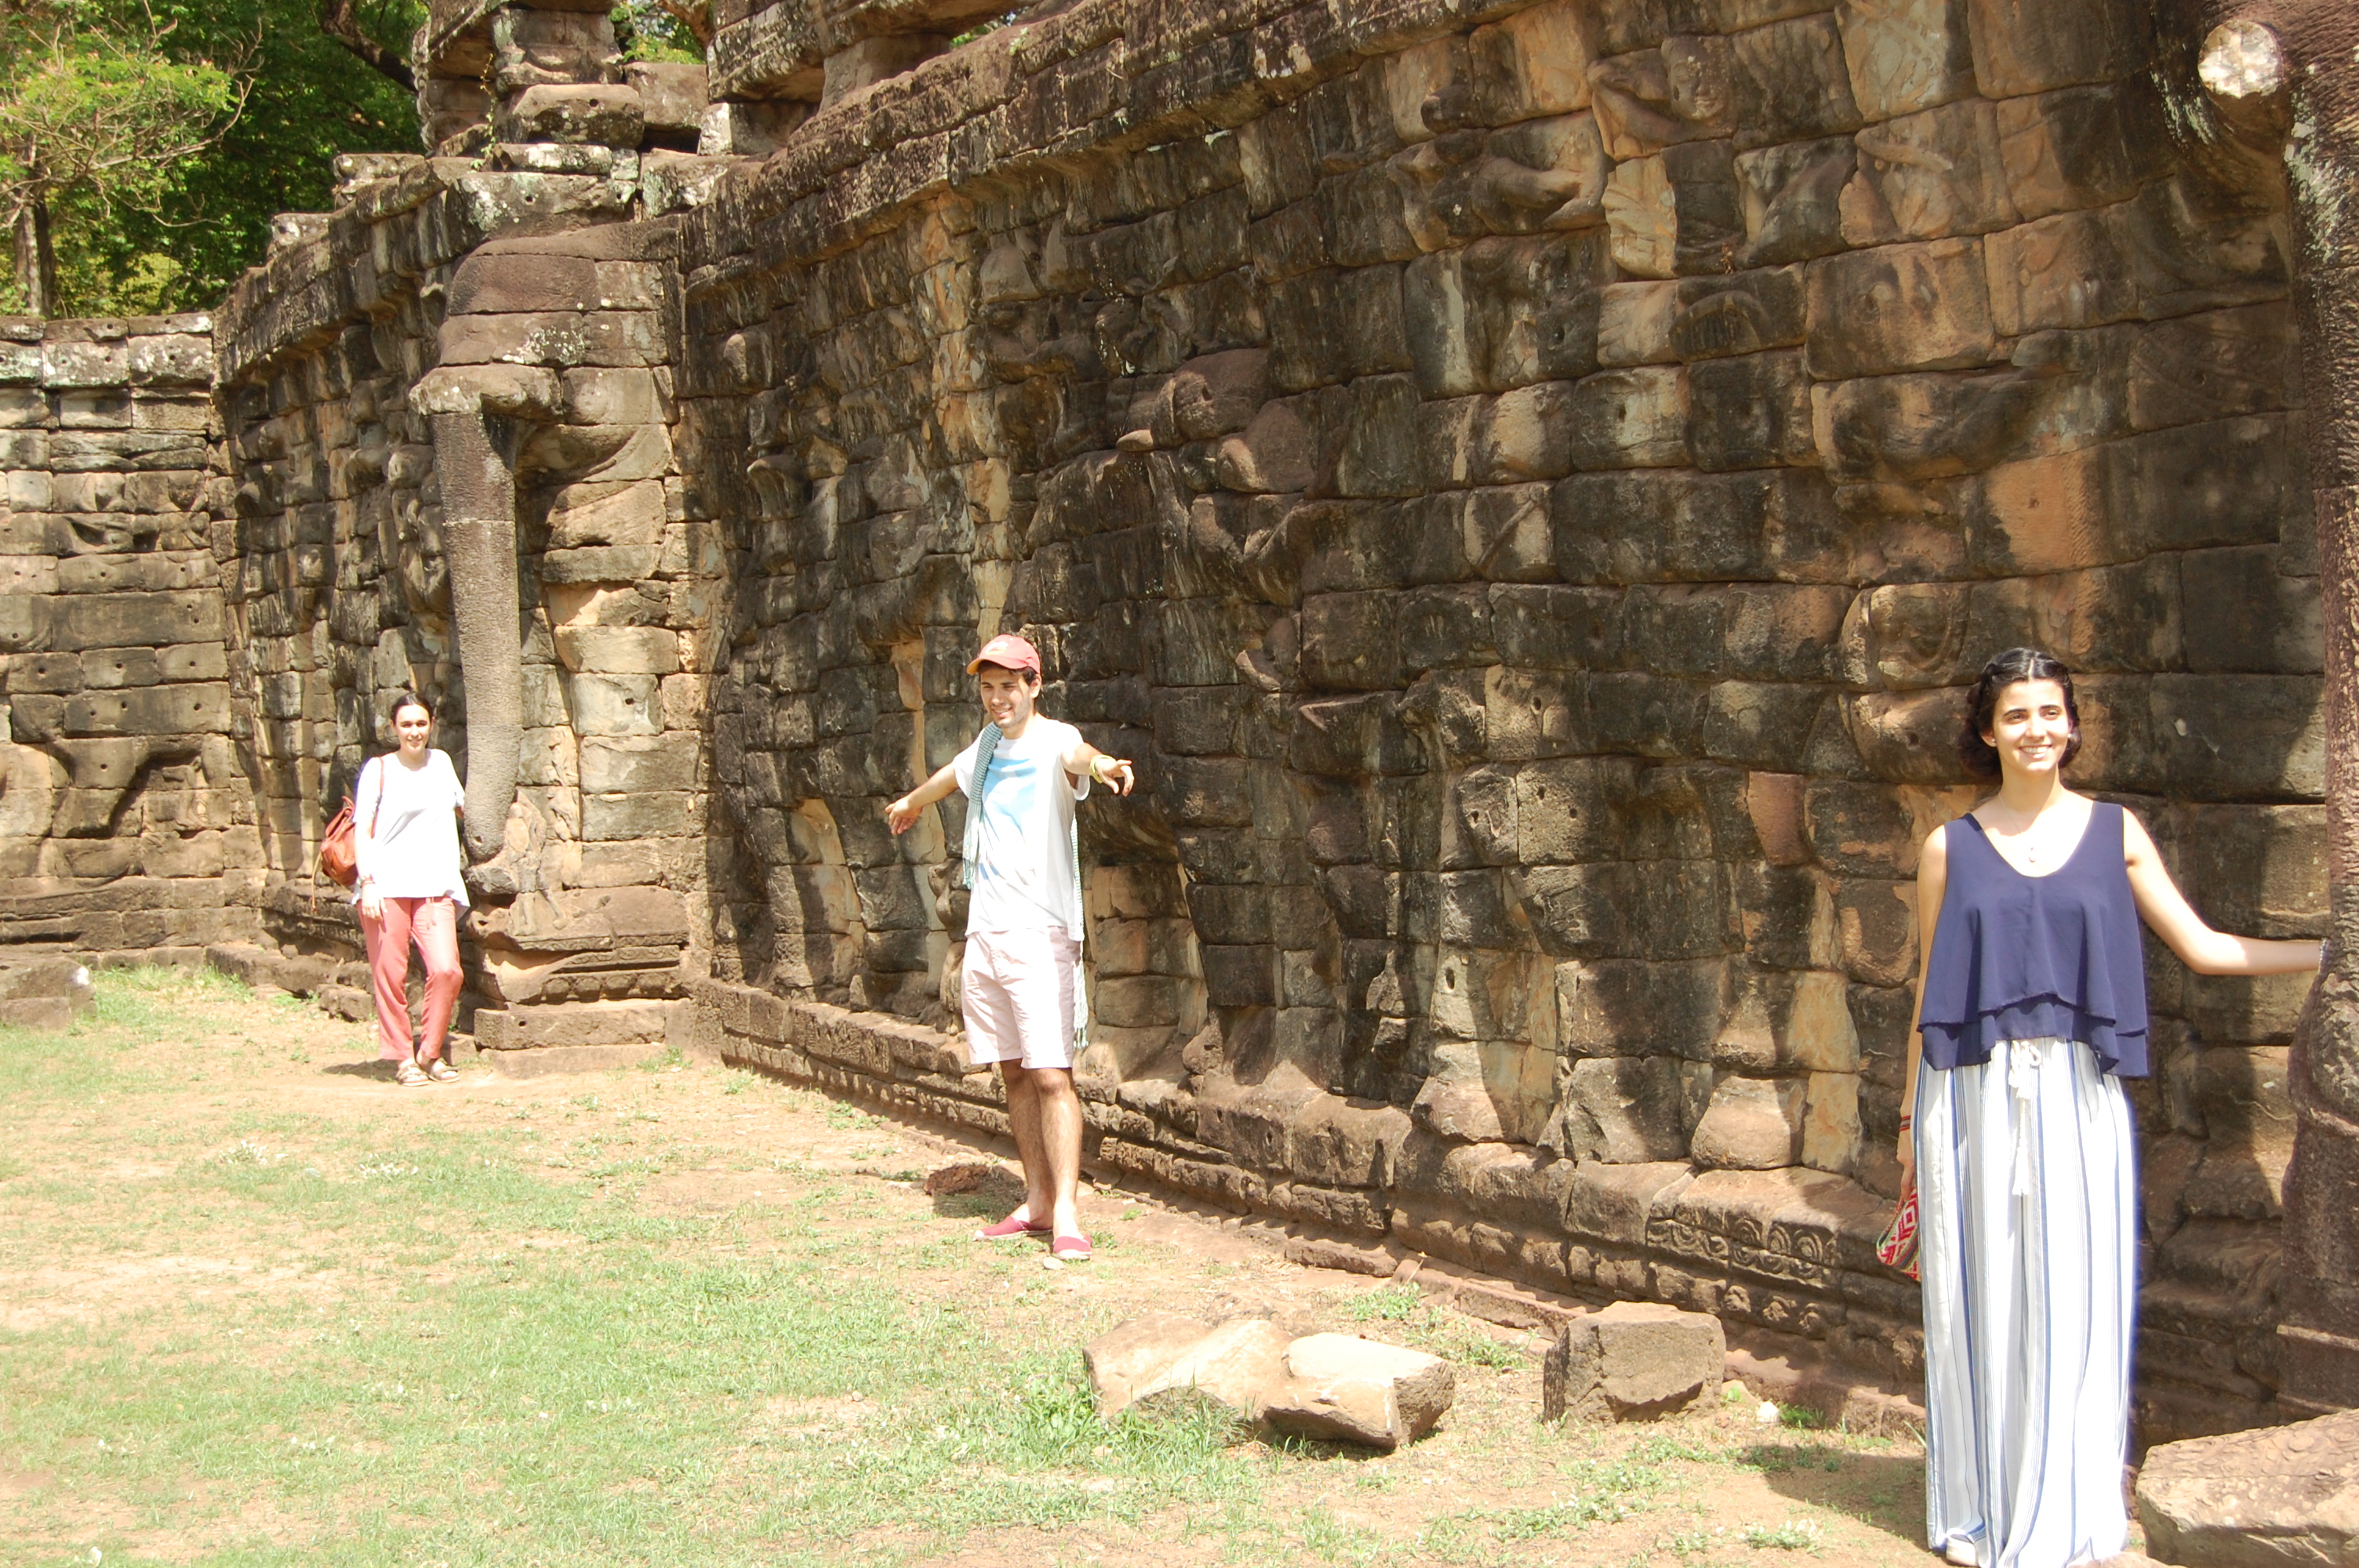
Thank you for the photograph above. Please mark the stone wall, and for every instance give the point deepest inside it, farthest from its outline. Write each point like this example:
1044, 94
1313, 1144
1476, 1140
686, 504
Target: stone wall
1527, 483
339, 356
125, 823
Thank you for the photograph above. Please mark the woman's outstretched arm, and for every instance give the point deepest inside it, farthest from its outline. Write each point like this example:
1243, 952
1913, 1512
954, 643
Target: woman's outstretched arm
2207, 952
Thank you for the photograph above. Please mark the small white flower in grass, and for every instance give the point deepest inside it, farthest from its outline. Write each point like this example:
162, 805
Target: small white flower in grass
1768, 1415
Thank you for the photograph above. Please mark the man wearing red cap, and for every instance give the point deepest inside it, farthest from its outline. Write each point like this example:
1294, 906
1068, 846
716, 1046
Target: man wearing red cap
1022, 777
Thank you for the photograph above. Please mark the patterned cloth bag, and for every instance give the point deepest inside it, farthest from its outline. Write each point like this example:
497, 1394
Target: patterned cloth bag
1897, 1249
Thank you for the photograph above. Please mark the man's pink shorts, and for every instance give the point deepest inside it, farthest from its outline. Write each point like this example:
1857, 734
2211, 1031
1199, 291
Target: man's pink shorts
1017, 996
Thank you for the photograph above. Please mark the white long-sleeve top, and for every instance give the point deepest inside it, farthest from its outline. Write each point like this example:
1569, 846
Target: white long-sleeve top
406, 829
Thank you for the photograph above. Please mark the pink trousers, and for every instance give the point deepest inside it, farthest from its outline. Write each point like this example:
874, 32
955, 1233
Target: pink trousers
433, 925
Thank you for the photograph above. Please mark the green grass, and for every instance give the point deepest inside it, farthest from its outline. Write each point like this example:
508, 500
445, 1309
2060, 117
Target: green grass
624, 1396
379, 1326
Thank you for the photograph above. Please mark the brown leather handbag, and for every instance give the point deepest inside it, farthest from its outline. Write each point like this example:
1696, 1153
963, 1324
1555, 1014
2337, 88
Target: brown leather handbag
340, 860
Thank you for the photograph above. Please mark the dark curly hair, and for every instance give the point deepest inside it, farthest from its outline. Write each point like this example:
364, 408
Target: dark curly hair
2015, 665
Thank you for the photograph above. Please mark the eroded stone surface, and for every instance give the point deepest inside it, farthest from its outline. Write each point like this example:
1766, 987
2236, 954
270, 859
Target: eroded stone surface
2282, 1495
1530, 493
1344, 1389
1632, 1361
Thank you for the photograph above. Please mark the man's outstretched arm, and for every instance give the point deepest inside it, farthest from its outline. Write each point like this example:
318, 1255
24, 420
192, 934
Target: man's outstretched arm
902, 814
1085, 761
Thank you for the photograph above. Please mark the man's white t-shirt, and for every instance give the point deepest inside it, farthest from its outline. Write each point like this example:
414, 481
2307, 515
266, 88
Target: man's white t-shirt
413, 852
1024, 851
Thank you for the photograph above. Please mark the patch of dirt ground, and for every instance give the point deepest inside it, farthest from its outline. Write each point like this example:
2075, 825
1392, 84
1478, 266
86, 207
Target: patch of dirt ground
699, 1141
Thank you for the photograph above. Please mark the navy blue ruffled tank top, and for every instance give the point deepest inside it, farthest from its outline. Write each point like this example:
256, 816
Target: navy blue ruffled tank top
2021, 957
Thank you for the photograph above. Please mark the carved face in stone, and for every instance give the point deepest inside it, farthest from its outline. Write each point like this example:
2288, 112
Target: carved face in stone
2030, 726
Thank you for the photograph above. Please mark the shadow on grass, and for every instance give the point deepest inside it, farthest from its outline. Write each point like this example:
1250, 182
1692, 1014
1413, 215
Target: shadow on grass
1887, 1490
372, 1069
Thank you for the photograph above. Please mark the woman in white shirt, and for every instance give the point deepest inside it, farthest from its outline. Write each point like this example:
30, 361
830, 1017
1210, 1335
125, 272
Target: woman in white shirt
406, 815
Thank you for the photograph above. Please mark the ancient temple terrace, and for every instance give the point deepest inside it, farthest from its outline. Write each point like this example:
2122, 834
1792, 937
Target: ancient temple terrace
1528, 483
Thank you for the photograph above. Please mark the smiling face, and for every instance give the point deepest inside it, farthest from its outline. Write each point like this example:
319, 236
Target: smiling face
2029, 727
1007, 696
411, 726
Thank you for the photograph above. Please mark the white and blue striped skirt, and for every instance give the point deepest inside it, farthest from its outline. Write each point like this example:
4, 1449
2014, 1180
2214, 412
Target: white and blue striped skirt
2027, 1240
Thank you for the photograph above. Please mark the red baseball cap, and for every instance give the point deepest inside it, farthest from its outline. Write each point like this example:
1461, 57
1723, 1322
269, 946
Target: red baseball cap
1009, 652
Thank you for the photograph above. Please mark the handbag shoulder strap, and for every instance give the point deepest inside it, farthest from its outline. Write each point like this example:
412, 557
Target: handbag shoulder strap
377, 810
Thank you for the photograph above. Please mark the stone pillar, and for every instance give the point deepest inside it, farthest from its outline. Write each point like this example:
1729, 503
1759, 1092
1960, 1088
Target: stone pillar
2281, 78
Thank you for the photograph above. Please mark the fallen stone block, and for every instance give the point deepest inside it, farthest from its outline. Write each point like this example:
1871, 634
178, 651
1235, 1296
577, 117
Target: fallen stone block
48, 1014
62, 979
2279, 1496
1242, 1363
1123, 1360
1344, 1389
1632, 1361
349, 1004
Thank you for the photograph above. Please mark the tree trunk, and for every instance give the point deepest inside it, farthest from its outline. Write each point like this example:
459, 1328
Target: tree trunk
35, 259
2281, 78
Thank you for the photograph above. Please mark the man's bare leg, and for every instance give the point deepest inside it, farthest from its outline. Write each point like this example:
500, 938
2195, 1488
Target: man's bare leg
1024, 1124
1057, 1124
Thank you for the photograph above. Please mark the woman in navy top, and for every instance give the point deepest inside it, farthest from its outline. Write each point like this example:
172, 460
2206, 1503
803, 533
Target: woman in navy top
2031, 1010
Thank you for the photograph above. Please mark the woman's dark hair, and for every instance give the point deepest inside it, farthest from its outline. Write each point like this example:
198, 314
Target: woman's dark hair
405, 699
1982, 707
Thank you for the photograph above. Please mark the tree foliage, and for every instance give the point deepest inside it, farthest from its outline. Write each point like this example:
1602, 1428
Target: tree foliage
203, 219
97, 116
678, 30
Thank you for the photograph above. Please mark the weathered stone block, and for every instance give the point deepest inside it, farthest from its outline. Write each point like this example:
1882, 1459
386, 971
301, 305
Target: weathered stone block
1928, 176
593, 112
612, 704
618, 650
1632, 1361
1750, 412
2255, 1500
639, 816
1629, 418
2080, 146
135, 619
1611, 1008
2023, 46
2068, 271
632, 764
1129, 1357
1623, 1111
1752, 1124
1788, 82
671, 96
1906, 54
1242, 1363
1912, 306
1343, 1388
1677, 212
192, 710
